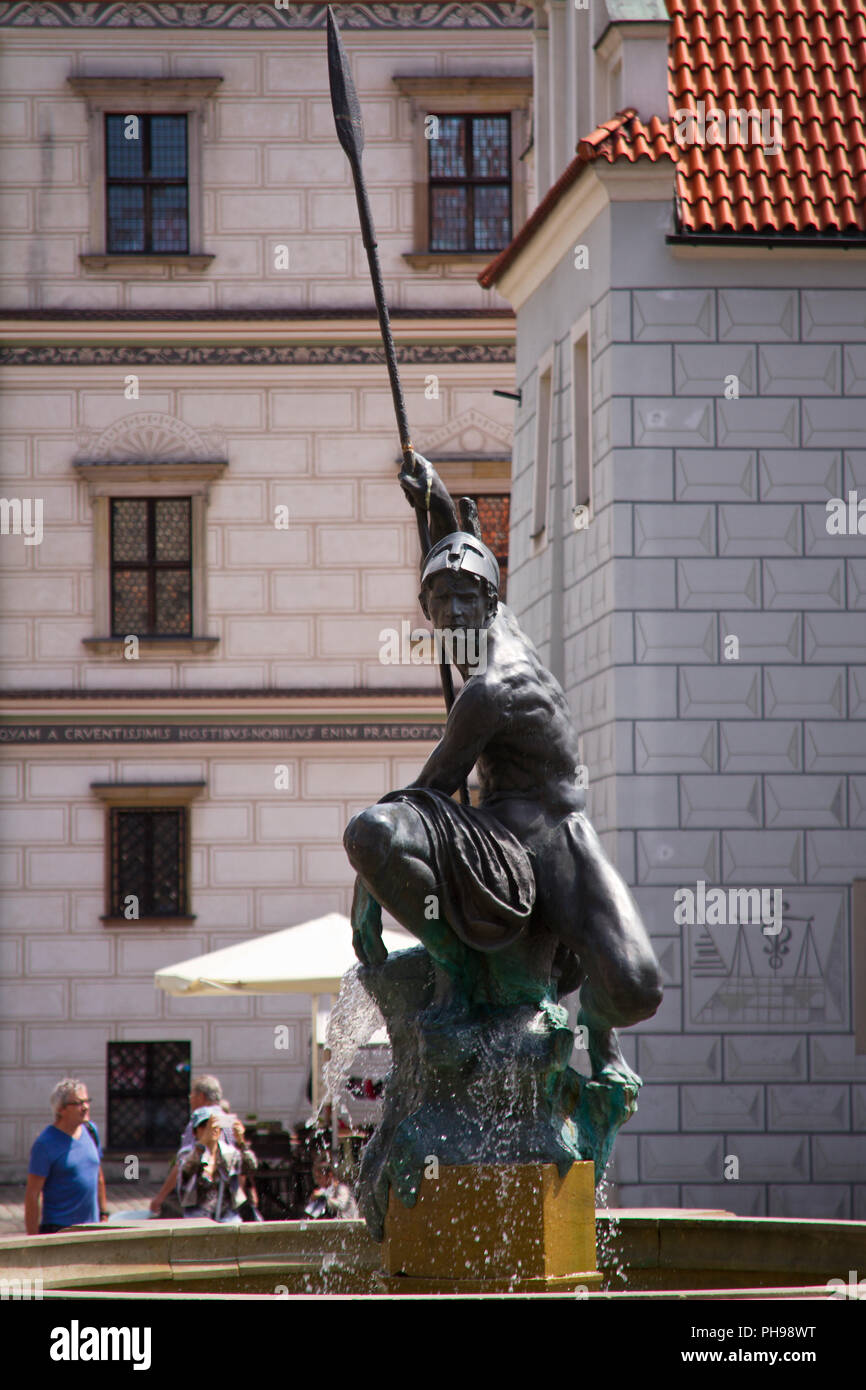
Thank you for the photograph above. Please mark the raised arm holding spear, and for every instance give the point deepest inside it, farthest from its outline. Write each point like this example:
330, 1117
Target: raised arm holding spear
416, 478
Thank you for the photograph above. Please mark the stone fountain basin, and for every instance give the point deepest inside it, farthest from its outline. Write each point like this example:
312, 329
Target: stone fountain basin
664, 1253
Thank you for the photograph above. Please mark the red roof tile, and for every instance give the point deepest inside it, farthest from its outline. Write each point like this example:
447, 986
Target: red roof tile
802, 59
800, 66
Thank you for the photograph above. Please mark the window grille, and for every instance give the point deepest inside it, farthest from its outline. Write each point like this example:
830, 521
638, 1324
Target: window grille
148, 1094
148, 862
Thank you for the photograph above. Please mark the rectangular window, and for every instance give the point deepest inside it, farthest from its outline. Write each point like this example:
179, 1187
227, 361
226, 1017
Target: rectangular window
543, 431
470, 182
581, 438
146, 184
493, 515
148, 1094
151, 567
148, 862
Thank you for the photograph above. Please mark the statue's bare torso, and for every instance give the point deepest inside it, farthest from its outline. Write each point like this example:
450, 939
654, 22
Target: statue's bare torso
513, 721
532, 750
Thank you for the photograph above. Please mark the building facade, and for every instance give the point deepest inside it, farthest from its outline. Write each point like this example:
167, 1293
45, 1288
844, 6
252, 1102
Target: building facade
203, 540
687, 549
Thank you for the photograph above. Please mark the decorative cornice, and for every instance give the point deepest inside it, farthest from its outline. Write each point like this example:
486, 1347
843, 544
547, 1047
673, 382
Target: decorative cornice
148, 793
450, 92
51, 14
102, 90
240, 355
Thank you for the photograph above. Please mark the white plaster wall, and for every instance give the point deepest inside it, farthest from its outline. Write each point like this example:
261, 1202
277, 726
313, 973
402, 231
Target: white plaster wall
296, 608
272, 168
261, 860
301, 607
710, 521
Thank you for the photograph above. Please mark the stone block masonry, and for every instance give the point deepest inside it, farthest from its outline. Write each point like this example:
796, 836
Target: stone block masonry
740, 702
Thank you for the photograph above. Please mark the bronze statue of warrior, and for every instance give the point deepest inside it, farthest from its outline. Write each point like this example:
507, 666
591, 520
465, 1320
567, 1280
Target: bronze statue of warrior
513, 900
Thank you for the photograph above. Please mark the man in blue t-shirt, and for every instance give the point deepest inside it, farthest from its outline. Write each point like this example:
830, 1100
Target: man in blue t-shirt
66, 1166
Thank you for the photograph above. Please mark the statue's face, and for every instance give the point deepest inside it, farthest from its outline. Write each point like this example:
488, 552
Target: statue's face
457, 601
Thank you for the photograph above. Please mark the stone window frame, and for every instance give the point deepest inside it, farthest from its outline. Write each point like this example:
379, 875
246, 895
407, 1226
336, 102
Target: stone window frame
146, 796
463, 96
145, 96
109, 480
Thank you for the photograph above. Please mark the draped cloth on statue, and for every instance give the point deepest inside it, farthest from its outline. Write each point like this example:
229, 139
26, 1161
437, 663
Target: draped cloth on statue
483, 873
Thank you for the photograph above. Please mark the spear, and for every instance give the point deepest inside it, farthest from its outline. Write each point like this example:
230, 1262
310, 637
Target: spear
350, 133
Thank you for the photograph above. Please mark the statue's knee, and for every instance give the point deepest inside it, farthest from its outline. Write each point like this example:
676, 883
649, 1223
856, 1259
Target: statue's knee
367, 838
636, 996
644, 994
650, 996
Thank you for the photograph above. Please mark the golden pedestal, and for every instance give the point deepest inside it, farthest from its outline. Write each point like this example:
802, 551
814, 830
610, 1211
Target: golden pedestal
487, 1228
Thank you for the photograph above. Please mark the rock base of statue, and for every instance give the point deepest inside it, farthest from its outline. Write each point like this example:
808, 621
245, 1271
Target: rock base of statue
480, 1081
487, 1228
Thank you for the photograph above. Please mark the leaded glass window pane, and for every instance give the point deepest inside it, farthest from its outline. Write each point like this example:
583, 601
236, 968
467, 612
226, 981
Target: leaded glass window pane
132, 874
490, 147
470, 183
126, 219
172, 528
448, 150
168, 147
172, 601
169, 220
492, 218
130, 529
448, 208
166, 855
124, 158
129, 602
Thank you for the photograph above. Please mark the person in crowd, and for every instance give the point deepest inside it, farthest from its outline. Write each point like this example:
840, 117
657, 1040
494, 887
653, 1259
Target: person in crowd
205, 1092
65, 1172
331, 1198
248, 1204
209, 1170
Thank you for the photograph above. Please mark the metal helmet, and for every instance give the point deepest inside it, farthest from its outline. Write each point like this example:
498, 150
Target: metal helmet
461, 553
